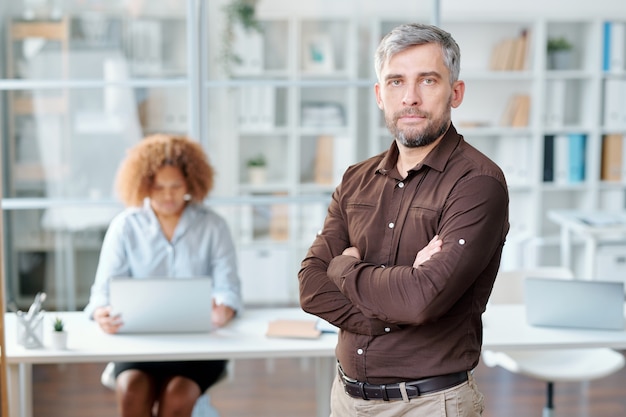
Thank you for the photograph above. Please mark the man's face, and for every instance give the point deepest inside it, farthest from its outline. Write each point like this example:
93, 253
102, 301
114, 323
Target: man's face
415, 95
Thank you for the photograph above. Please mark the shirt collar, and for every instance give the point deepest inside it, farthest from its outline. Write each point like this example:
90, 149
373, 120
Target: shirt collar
186, 219
436, 159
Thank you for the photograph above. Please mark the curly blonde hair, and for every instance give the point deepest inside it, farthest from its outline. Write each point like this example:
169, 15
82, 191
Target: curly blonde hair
135, 176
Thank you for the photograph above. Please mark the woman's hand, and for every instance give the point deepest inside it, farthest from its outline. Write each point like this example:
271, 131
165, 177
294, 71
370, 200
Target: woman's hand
222, 314
108, 323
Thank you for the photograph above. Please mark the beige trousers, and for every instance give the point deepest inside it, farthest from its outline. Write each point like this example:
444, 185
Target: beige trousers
464, 400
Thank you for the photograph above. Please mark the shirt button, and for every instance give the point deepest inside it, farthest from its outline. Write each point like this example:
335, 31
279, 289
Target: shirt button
391, 225
387, 329
400, 185
383, 266
359, 351
461, 241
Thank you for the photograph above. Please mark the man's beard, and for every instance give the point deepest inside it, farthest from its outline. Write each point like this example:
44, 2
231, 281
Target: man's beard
415, 137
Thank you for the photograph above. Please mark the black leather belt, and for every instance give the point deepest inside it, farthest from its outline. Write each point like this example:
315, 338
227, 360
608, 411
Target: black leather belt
388, 392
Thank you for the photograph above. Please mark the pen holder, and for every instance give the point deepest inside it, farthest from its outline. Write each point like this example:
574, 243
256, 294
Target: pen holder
30, 331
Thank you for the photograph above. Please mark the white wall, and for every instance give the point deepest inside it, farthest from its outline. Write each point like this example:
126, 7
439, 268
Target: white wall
450, 8
534, 8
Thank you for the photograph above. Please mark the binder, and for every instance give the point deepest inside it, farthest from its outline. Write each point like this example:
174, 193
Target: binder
577, 147
612, 154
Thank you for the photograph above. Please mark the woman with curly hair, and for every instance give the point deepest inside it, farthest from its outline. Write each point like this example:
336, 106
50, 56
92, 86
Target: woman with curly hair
166, 231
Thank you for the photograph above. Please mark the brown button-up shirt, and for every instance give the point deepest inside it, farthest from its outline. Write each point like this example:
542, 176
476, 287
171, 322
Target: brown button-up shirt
400, 323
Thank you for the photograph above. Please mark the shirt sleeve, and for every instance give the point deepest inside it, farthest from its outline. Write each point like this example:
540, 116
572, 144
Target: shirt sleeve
113, 262
226, 282
473, 227
321, 296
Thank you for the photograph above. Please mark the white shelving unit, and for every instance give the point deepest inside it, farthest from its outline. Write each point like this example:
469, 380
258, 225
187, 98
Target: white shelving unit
563, 102
299, 112
572, 96
303, 98
64, 143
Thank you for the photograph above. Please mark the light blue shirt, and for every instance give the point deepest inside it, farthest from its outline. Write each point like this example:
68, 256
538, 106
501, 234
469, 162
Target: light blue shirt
135, 246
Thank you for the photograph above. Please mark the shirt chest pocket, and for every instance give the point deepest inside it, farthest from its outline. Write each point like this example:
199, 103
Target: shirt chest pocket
362, 218
420, 220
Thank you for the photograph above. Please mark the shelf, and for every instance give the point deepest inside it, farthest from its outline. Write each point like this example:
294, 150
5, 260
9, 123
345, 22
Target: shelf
27, 106
50, 30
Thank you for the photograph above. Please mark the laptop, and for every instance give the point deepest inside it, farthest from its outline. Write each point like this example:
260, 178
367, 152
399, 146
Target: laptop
574, 303
162, 305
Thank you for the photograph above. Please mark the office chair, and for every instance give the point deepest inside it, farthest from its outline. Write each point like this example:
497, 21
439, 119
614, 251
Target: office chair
203, 407
553, 365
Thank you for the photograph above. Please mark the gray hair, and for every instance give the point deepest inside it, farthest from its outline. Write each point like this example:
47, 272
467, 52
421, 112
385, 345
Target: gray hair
405, 36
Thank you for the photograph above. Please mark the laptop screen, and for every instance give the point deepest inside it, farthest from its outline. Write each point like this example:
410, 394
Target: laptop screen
162, 305
574, 303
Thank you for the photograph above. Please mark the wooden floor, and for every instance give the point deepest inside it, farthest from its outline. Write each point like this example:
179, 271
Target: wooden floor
285, 388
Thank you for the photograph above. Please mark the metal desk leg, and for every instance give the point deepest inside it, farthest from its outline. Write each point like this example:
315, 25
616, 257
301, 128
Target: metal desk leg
566, 248
325, 371
65, 273
20, 388
591, 246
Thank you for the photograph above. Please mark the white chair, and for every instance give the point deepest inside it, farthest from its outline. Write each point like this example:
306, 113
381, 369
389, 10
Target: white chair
203, 407
554, 365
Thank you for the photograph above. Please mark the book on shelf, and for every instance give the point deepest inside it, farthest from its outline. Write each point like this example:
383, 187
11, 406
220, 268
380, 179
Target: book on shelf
564, 158
555, 103
614, 111
323, 166
614, 53
513, 156
577, 146
333, 154
561, 159
517, 111
322, 114
522, 45
257, 107
279, 221
548, 158
611, 164
511, 54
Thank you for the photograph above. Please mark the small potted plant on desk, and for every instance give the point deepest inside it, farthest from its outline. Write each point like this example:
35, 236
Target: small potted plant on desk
59, 335
559, 53
257, 170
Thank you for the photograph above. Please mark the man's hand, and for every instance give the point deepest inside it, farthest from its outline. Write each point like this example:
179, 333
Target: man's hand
352, 251
110, 324
427, 251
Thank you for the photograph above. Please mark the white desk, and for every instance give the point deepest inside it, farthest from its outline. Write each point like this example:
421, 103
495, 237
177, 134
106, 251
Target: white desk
244, 338
592, 227
504, 328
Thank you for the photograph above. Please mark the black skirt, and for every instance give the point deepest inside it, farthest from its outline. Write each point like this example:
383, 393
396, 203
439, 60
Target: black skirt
204, 373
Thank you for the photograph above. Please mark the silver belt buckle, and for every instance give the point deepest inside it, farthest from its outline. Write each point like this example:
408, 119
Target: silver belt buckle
344, 376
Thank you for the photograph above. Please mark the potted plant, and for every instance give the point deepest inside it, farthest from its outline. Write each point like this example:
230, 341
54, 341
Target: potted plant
257, 169
559, 53
238, 13
59, 335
